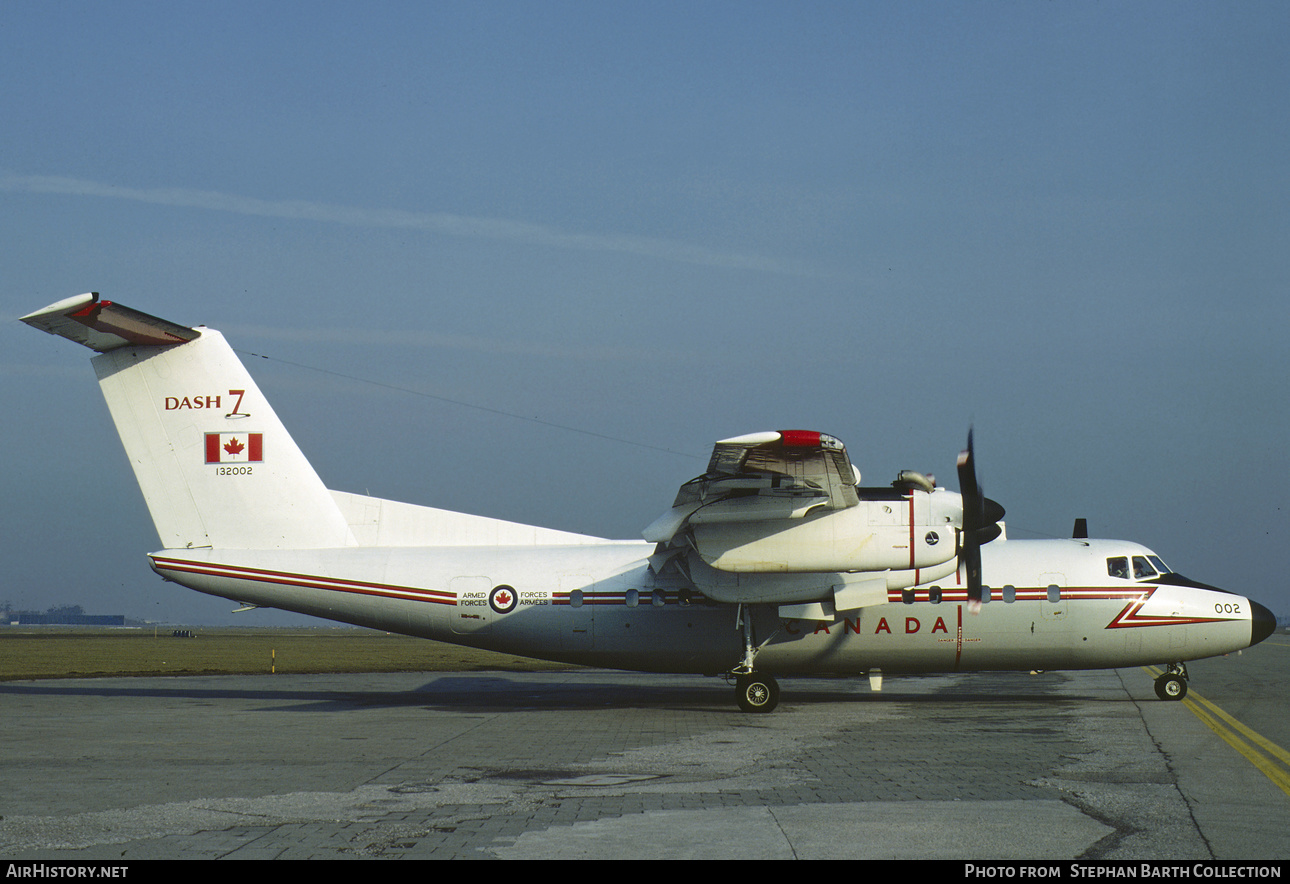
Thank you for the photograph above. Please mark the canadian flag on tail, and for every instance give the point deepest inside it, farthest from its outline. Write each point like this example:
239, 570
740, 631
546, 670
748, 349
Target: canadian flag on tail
234, 447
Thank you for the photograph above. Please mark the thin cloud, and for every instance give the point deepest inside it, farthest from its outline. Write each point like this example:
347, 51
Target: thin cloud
436, 341
441, 223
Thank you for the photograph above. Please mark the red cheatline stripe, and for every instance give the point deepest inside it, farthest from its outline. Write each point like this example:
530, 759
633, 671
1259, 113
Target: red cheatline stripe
911, 532
1028, 593
958, 641
1128, 618
308, 581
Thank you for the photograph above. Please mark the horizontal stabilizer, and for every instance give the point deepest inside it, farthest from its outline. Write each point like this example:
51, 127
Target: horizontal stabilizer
104, 326
377, 522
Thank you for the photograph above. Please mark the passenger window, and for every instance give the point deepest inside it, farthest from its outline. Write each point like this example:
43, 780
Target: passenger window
934, 595
985, 594
1142, 568
633, 598
907, 596
1054, 593
1118, 567
575, 599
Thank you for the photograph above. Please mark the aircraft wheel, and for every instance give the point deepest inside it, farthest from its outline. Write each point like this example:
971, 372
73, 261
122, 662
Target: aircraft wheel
1171, 687
757, 693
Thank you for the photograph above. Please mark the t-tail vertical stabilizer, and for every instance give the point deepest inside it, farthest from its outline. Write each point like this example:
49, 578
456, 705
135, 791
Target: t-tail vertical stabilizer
216, 466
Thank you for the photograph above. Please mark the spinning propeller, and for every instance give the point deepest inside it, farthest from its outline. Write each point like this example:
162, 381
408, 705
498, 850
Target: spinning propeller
980, 523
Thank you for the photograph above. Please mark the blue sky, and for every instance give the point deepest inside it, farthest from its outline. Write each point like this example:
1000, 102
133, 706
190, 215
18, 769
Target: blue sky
666, 224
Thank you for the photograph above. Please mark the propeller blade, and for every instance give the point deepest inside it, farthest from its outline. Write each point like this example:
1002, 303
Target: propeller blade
973, 502
973, 519
980, 522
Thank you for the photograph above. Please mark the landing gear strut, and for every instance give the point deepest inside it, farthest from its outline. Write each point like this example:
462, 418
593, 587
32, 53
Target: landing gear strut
1172, 684
755, 691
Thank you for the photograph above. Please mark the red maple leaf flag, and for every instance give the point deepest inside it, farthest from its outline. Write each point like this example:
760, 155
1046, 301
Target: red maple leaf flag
234, 447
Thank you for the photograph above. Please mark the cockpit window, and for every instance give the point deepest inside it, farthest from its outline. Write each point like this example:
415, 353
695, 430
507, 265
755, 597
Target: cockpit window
1118, 566
1160, 566
1142, 568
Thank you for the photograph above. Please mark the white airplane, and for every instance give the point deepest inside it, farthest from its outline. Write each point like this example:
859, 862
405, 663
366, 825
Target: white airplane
774, 562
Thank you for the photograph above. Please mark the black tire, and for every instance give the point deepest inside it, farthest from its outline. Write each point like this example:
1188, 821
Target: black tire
757, 693
1171, 687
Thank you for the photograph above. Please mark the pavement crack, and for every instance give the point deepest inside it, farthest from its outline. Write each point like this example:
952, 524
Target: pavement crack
779, 825
1173, 775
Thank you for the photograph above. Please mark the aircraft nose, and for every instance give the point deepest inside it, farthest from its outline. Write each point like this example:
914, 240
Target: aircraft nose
1262, 622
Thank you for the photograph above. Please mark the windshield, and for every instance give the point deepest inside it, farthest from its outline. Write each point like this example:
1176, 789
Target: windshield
1143, 567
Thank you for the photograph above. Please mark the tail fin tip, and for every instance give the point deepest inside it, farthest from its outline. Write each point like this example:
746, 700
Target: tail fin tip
105, 325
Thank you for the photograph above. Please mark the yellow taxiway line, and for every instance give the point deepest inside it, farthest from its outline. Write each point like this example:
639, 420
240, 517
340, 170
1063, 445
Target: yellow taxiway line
1271, 760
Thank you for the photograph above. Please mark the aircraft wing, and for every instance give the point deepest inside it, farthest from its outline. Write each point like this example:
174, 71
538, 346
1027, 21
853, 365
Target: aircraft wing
763, 477
104, 326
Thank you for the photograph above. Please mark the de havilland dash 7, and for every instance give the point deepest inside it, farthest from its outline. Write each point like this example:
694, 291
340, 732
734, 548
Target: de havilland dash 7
775, 561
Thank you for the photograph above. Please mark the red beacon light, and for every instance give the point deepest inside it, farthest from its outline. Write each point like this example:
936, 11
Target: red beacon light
800, 438
810, 439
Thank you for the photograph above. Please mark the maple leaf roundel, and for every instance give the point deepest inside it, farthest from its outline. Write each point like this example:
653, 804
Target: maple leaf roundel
503, 599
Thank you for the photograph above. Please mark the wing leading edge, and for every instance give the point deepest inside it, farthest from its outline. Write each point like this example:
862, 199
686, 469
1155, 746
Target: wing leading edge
763, 477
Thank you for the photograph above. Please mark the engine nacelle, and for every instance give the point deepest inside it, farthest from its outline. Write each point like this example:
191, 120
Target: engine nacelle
886, 530
779, 517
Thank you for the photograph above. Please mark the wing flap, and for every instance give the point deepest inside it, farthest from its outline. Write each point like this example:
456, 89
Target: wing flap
104, 325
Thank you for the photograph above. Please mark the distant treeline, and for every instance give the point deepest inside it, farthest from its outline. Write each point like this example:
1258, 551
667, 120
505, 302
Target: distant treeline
62, 615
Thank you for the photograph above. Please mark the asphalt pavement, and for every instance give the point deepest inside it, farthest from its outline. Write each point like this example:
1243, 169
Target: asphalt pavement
587, 764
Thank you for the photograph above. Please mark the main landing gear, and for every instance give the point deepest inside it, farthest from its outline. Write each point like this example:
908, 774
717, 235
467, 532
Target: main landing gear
755, 691
1172, 683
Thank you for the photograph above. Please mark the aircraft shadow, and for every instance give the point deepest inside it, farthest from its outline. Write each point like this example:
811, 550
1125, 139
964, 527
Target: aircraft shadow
450, 693
494, 694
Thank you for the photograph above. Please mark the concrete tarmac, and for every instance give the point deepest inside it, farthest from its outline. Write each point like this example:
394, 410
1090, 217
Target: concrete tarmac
587, 764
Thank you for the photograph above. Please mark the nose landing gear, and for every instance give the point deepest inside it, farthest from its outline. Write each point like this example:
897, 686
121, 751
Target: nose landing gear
1172, 683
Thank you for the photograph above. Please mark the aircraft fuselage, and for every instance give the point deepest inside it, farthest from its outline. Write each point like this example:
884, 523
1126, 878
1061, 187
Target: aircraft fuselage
1052, 605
